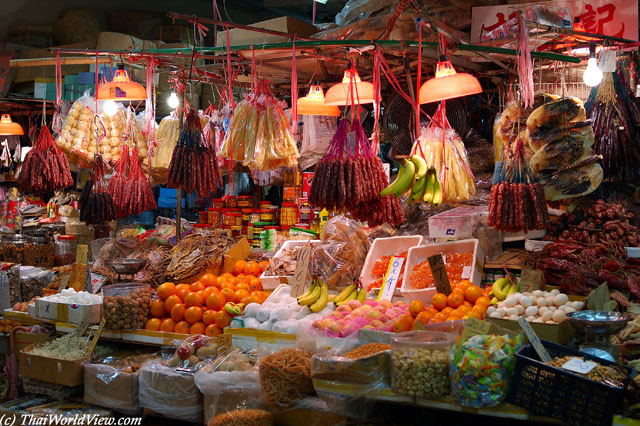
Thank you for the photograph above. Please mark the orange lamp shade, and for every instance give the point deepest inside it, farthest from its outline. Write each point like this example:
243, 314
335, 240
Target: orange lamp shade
9, 128
121, 88
340, 94
448, 84
313, 104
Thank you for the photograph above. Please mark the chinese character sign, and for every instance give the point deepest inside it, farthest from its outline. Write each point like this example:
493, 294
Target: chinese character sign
618, 18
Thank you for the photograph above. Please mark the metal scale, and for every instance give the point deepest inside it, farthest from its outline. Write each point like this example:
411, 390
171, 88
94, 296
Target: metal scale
594, 330
127, 268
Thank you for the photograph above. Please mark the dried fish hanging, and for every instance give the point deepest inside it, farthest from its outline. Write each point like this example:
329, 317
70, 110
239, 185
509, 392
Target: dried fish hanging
517, 203
96, 205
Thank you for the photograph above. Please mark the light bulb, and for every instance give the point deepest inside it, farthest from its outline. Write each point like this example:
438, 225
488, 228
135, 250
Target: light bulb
110, 108
173, 101
592, 75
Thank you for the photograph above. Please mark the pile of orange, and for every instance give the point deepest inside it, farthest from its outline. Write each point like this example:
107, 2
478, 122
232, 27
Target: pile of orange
198, 308
465, 301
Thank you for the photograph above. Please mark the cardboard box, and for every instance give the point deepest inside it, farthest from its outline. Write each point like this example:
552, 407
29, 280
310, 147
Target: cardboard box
50, 370
107, 387
557, 333
44, 91
285, 24
70, 313
22, 339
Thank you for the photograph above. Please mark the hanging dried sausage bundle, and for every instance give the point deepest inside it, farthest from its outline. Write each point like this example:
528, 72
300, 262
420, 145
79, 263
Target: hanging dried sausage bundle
45, 167
193, 162
350, 176
96, 205
129, 187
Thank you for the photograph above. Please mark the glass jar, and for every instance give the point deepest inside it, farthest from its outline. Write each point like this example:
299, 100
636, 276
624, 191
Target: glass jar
64, 252
38, 251
290, 193
231, 202
235, 219
245, 201
214, 215
284, 230
258, 227
288, 214
126, 306
255, 216
204, 216
13, 245
217, 203
236, 231
305, 213
250, 231
244, 230
246, 216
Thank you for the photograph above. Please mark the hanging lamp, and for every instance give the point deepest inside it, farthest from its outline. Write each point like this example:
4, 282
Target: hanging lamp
121, 88
448, 84
10, 128
340, 94
314, 104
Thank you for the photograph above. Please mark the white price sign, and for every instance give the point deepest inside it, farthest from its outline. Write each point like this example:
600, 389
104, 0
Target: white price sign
391, 278
578, 365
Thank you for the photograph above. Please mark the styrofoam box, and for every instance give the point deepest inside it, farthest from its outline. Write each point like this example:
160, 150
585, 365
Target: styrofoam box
392, 246
421, 253
457, 223
271, 282
65, 312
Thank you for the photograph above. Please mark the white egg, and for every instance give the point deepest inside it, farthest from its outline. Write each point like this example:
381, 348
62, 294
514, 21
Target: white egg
577, 305
539, 320
537, 293
526, 301
555, 292
542, 310
547, 316
550, 322
531, 319
520, 309
495, 314
546, 294
501, 305
541, 302
553, 308
516, 296
510, 301
491, 309
550, 300
514, 317
531, 311
526, 294
568, 309
512, 311
501, 311
560, 299
558, 316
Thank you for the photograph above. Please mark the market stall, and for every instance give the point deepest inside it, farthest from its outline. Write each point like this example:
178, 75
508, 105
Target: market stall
270, 257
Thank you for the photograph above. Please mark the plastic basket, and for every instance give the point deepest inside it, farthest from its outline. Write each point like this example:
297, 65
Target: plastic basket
553, 392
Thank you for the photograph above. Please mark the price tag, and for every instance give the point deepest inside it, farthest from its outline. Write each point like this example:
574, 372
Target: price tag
439, 272
64, 283
474, 327
466, 273
607, 61
391, 278
81, 253
300, 274
530, 280
79, 268
94, 342
82, 327
579, 365
534, 340
223, 341
96, 283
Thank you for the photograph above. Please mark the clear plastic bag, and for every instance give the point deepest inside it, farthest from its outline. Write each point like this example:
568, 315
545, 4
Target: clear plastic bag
77, 124
193, 353
33, 280
242, 417
357, 10
170, 393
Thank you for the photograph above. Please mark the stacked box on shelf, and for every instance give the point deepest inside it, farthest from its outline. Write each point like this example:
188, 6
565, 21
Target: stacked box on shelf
45, 88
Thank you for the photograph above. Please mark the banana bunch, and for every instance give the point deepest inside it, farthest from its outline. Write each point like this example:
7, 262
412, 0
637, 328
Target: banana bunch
423, 183
501, 289
350, 293
316, 296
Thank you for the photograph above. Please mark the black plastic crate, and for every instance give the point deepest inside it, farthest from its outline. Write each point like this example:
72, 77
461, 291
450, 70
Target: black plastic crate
548, 391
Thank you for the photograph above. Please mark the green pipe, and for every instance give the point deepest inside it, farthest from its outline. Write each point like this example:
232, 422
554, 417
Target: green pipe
383, 43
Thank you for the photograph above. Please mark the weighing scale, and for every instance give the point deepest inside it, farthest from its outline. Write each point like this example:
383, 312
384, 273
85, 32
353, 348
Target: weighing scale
593, 331
126, 267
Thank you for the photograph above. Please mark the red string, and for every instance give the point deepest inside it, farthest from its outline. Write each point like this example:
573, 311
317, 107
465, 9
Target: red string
233, 180
294, 90
417, 109
376, 102
254, 77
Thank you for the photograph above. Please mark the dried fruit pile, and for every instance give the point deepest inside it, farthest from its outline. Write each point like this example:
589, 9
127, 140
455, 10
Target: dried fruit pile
96, 205
380, 270
351, 176
193, 162
45, 167
455, 264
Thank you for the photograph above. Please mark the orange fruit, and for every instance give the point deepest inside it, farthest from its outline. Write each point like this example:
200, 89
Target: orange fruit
453, 317
193, 299
241, 276
203, 295
167, 325
455, 299
424, 317
209, 316
197, 328
197, 286
227, 284
432, 310
473, 293
242, 285
402, 322
252, 268
177, 312
480, 309
484, 301
464, 284
182, 327
171, 302
241, 294
255, 284
250, 299
472, 314
249, 277
165, 290
208, 280
157, 309
440, 317
447, 311
415, 307
239, 267
193, 314
153, 324
223, 319
439, 300
181, 286
182, 293
229, 294
208, 291
263, 265
216, 301
463, 309
212, 330
487, 291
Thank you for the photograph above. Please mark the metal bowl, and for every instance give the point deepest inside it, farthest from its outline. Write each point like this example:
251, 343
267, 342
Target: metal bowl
127, 266
597, 322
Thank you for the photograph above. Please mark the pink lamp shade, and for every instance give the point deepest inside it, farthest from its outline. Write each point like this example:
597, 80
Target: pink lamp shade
448, 84
340, 94
313, 104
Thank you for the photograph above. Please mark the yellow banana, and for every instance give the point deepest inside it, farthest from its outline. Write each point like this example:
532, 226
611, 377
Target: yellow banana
421, 166
418, 190
362, 295
402, 173
350, 297
322, 300
407, 179
344, 293
437, 192
306, 295
428, 192
315, 294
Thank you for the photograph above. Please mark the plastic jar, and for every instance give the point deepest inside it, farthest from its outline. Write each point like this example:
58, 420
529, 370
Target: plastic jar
290, 193
284, 230
245, 201
13, 247
126, 306
244, 230
64, 251
38, 251
420, 363
214, 215
258, 227
235, 219
231, 202
229, 217
266, 214
246, 216
250, 231
288, 214
305, 214
217, 203
204, 216
255, 216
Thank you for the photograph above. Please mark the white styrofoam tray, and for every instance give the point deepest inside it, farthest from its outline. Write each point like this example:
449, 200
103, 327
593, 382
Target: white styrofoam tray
458, 223
421, 253
392, 246
271, 282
